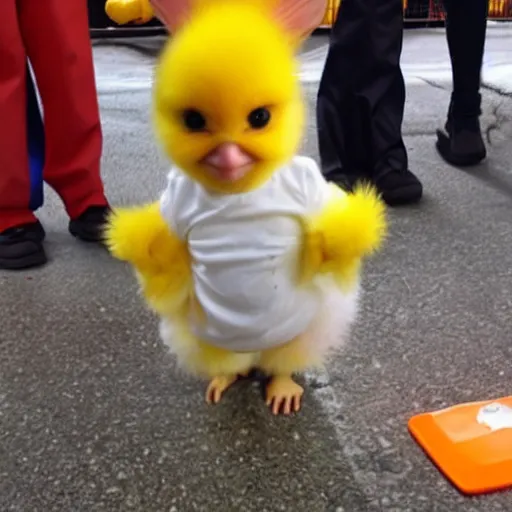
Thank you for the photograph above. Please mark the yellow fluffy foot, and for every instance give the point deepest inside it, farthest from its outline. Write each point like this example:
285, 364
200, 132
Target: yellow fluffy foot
217, 386
284, 395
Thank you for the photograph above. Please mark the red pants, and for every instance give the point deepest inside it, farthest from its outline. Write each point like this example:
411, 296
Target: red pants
54, 36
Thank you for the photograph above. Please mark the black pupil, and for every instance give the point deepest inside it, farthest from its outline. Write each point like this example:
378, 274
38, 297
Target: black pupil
194, 120
259, 118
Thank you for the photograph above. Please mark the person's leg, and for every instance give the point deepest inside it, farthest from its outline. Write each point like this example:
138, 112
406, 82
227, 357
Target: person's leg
385, 90
361, 101
35, 133
57, 40
384, 93
466, 23
339, 126
20, 234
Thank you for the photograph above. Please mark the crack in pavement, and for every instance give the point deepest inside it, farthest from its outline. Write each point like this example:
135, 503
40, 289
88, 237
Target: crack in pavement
432, 83
497, 90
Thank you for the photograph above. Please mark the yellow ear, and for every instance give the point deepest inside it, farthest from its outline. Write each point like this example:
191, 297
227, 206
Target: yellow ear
297, 17
173, 13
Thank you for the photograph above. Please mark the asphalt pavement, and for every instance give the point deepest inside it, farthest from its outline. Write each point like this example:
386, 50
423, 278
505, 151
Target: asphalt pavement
95, 417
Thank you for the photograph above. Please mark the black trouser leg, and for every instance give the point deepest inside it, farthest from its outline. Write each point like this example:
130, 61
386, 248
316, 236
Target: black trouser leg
338, 123
466, 22
362, 94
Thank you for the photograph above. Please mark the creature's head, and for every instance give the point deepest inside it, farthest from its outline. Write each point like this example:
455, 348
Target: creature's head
228, 107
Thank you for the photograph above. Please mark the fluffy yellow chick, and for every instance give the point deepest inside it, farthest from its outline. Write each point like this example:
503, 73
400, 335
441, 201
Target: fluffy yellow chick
250, 257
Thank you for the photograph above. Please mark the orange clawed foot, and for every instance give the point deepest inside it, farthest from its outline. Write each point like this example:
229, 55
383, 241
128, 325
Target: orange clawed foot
284, 395
217, 387
220, 383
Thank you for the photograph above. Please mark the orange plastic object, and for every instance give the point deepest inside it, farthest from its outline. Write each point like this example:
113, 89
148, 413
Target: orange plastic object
470, 443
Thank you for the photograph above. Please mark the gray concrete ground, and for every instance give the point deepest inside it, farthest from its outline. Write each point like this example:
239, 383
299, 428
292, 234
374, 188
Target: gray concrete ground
95, 417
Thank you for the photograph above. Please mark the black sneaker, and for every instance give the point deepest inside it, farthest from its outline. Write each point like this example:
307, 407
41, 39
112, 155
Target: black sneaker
90, 225
21, 247
399, 188
343, 180
396, 187
461, 144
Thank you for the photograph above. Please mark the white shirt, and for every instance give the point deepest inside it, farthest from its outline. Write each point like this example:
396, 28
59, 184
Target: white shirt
245, 251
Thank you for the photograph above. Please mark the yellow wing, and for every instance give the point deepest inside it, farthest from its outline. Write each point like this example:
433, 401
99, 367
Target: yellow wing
348, 229
160, 259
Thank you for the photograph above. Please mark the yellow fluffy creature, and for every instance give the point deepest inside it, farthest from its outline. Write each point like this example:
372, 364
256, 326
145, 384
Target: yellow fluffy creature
250, 258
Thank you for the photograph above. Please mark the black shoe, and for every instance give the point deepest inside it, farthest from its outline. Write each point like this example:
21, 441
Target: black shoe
461, 144
89, 226
399, 187
396, 187
344, 181
21, 247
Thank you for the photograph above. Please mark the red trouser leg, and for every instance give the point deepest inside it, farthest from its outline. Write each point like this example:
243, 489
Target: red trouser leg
14, 167
56, 36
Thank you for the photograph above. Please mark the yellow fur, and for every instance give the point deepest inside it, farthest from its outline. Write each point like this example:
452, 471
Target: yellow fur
229, 58
350, 227
141, 237
225, 68
205, 360
293, 357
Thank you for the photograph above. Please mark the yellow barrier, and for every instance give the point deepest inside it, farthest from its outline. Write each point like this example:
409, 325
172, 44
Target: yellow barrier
330, 13
497, 9
133, 11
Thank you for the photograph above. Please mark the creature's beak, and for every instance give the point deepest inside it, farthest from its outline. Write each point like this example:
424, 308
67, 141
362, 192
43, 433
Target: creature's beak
229, 161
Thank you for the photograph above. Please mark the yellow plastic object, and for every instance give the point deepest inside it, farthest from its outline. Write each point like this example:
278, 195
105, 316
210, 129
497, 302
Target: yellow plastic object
330, 13
497, 8
129, 11
470, 443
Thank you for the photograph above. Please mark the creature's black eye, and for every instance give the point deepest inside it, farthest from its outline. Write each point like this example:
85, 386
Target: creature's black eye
194, 120
259, 118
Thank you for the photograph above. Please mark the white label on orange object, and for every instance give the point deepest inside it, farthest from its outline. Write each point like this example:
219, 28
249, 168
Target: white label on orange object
496, 416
